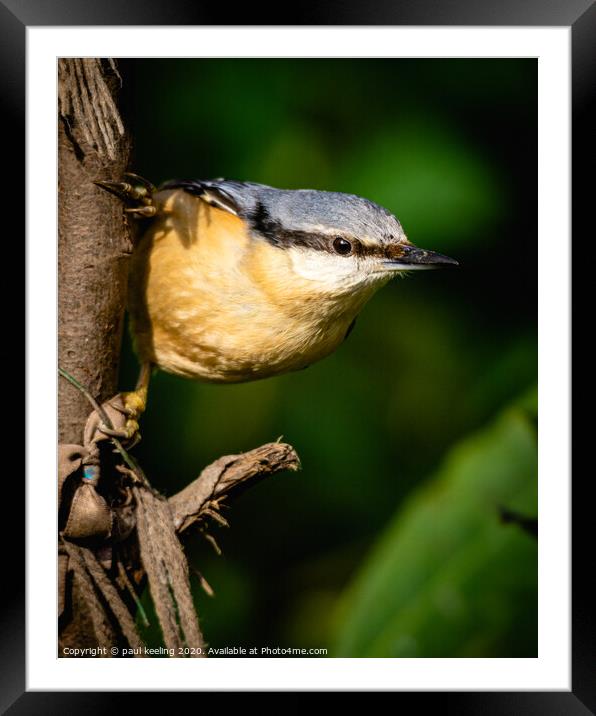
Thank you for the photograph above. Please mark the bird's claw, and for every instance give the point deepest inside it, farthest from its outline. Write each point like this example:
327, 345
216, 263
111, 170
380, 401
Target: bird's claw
129, 434
135, 402
131, 405
135, 191
145, 211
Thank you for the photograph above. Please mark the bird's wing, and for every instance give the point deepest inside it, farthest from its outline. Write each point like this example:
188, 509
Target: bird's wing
213, 192
238, 198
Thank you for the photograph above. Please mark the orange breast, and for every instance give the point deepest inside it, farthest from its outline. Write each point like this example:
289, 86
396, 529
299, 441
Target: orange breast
210, 302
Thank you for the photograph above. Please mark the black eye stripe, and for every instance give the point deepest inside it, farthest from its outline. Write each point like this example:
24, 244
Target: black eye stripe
270, 229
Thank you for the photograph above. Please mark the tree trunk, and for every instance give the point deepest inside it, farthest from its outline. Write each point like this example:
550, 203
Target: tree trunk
93, 238
94, 246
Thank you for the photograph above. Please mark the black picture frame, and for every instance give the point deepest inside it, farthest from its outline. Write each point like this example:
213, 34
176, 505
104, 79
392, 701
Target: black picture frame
15, 16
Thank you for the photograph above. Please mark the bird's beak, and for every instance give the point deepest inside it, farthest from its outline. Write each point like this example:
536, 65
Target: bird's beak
406, 257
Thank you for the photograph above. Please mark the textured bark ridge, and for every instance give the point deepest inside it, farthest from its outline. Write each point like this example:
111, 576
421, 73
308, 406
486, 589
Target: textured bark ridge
94, 241
93, 252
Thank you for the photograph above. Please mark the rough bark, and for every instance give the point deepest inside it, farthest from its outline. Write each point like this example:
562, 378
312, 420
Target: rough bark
93, 250
93, 239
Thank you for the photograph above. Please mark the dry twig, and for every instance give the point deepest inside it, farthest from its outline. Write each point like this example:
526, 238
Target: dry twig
228, 475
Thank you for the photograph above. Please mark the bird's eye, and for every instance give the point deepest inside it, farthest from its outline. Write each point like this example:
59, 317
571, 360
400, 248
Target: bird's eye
342, 246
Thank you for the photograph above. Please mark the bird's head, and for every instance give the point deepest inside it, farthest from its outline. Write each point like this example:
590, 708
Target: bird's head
341, 243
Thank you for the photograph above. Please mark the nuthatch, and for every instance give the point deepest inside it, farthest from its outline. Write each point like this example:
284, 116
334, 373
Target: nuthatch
235, 281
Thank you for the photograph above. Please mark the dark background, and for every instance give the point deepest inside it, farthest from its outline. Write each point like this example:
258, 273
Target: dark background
388, 542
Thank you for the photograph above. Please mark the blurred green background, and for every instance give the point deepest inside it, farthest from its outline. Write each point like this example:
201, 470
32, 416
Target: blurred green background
423, 424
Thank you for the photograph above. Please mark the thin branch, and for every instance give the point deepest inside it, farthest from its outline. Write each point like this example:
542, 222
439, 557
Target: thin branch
227, 475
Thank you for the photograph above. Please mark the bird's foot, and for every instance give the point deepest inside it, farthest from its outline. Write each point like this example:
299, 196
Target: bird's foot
135, 191
132, 406
129, 433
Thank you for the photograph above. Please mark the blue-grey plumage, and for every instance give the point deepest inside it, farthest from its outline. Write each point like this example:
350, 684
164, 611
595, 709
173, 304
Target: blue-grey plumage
306, 210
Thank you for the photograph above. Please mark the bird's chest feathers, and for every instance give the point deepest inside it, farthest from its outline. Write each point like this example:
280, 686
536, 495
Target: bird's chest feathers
304, 312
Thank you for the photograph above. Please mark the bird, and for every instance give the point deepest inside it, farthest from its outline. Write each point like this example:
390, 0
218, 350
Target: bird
235, 281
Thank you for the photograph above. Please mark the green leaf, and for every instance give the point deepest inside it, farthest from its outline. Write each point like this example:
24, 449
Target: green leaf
449, 578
